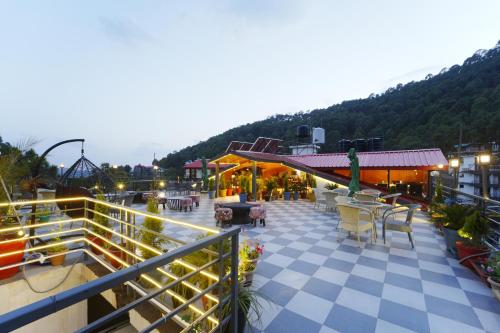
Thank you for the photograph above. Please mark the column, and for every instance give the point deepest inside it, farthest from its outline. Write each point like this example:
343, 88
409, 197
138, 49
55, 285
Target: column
254, 181
217, 168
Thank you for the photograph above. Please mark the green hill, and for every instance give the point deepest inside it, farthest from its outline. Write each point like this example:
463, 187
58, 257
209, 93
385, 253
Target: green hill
419, 114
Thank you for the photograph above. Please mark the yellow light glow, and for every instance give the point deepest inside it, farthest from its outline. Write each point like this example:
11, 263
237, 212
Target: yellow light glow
440, 166
162, 184
61, 165
484, 159
115, 166
121, 186
155, 167
454, 163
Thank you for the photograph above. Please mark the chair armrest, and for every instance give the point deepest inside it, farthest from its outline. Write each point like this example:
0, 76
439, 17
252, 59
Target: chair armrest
394, 211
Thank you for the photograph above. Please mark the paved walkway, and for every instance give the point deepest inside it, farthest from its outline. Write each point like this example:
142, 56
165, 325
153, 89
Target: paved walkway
317, 280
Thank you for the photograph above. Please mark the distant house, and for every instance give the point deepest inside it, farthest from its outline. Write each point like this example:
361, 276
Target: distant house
193, 169
146, 172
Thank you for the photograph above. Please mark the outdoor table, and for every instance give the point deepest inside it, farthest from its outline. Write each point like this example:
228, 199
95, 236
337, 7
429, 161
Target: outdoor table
174, 202
241, 212
195, 198
374, 207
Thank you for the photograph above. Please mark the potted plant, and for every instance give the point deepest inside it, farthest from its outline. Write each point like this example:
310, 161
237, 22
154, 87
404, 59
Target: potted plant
211, 188
153, 239
453, 220
250, 253
493, 269
295, 189
58, 251
286, 188
222, 187
249, 309
331, 186
270, 185
243, 189
101, 220
43, 215
229, 189
11, 241
474, 232
117, 252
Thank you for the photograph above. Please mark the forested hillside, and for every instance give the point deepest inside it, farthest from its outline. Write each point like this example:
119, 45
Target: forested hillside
419, 114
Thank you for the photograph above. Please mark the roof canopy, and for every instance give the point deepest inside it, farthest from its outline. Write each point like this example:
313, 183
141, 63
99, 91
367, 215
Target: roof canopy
197, 165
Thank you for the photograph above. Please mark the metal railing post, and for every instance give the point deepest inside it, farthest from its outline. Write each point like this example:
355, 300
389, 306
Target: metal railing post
234, 282
221, 287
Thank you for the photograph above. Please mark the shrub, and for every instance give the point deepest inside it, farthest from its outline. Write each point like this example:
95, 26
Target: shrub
103, 219
155, 225
475, 229
454, 216
211, 184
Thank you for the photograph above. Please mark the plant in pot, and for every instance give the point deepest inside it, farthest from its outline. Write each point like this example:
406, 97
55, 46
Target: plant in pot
474, 232
295, 190
43, 215
10, 241
229, 188
57, 251
250, 253
102, 220
153, 239
286, 189
493, 269
117, 252
222, 187
250, 309
243, 188
331, 186
211, 188
271, 184
453, 220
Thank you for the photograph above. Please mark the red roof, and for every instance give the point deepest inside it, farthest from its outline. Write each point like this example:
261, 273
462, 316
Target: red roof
197, 165
377, 159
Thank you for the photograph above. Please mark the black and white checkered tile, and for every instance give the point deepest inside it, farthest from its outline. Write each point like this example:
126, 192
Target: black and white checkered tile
316, 280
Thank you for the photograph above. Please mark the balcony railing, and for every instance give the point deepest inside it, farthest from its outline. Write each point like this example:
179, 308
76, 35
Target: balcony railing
490, 209
170, 273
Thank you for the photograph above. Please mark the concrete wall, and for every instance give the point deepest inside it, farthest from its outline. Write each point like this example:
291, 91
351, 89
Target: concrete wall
17, 293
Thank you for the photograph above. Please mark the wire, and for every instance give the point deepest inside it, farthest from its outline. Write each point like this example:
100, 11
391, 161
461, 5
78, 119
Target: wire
58, 284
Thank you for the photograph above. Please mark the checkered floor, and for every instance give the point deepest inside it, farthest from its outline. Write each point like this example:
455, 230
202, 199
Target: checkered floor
317, 280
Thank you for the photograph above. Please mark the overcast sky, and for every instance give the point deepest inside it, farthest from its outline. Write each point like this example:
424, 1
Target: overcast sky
138, 77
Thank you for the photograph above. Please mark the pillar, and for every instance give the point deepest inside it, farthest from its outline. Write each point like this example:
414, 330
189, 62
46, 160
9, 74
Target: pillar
254, 181
217, 169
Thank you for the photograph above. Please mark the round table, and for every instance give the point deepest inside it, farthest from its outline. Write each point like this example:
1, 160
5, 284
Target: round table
241, 212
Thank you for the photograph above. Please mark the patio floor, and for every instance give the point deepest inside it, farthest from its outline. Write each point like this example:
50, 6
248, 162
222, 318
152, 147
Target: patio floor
317, 280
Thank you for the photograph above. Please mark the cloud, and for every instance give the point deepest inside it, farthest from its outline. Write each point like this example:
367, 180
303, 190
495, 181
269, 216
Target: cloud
125, 30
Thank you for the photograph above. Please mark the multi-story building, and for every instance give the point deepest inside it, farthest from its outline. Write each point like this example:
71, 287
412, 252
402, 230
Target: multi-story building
470, 171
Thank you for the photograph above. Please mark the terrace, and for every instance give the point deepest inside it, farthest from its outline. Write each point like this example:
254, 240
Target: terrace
315, 279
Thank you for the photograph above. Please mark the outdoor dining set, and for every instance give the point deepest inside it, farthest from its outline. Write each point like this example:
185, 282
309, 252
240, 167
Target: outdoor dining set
181, 201
361, 212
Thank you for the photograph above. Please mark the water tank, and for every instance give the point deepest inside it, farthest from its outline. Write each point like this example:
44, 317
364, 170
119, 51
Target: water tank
359, 144
375, 144
344, 145
303, 131
318, 134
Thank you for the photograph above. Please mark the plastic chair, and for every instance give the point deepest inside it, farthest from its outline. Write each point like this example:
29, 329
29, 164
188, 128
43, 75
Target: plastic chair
391, 198
400, 224
330, 202
317, 196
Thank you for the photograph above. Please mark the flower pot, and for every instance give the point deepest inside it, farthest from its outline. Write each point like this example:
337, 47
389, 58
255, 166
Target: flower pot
238, 190
287, 195
477, 264
451, 236
295, 195
117, 253
211, 194
222, 193
44, 218
465, 250
58, 260
243, 197
229, 192
495, 287
267, 196
248, 276
98, 241
17, 245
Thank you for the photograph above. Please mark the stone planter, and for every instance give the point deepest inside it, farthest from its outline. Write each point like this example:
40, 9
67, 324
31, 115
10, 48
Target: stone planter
495, 288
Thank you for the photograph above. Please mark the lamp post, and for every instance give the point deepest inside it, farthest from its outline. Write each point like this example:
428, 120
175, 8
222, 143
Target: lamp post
484, 161
155, 171
455, 165
61, 166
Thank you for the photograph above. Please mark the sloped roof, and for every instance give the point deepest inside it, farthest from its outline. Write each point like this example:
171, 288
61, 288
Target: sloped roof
197, 165
379, 159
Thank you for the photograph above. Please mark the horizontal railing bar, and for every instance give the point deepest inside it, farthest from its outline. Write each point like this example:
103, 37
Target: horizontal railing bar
39, 225
200, 319
98, 323
22, 316
45, 235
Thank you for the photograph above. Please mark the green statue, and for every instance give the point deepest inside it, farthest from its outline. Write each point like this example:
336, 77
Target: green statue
354, 183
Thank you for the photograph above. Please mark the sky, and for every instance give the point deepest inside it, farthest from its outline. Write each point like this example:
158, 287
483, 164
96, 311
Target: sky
135, 78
